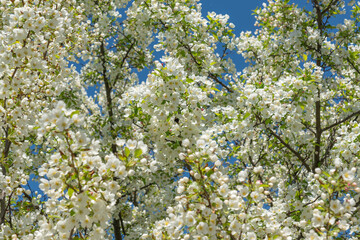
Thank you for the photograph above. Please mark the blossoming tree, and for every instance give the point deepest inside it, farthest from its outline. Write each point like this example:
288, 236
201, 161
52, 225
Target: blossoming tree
197, 150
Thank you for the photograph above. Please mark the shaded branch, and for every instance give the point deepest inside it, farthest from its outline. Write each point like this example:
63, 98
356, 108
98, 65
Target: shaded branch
5, 154
340, 122
302, 160
212, 76
333, 2
353, 65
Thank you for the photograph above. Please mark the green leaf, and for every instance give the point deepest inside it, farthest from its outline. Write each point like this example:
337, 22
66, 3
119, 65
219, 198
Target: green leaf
74, 112
246, 115
72, 212
70, 192
127, 151
304, 57
210, 172
92, 197
189, 80
326, 174
138, 153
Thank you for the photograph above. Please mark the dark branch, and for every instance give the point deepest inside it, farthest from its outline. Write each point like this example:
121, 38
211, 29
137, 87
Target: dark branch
342, 121
298, 155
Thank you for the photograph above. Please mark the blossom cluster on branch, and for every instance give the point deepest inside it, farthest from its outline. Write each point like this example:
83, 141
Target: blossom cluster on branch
198, 149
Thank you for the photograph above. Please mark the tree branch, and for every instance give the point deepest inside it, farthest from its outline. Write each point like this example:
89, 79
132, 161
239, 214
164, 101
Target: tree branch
333, 2
353, 65
5, 154
297, 154
317, 148
108, 90
116, 225
340, 122
212, 76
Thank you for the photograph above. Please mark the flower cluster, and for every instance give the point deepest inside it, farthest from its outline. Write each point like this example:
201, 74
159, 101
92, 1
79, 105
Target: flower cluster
196, 150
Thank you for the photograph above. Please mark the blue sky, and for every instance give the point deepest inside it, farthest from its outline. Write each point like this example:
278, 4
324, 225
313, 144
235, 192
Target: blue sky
241, 14
240, 11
